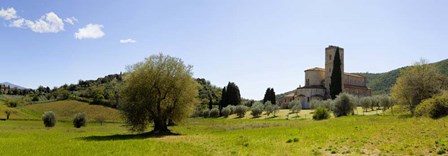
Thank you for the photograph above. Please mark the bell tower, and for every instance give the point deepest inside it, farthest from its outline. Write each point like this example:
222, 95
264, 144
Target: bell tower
330, 52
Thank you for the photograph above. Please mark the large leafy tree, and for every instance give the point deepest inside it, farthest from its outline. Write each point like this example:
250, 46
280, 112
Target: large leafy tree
336, 76
415, 84
158, 90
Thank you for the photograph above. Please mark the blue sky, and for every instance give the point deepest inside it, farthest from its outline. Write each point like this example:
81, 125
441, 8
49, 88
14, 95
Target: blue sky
254, 43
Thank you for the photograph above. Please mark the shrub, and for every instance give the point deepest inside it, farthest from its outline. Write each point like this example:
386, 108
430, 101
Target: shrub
80, 120
343, 105
214, 113
257, 109
269, 108
226, 111
276, 109
240, 110
232, 109
205, 113
435, 107
11, 103
365, 103
321, 113
49, 119
385, 102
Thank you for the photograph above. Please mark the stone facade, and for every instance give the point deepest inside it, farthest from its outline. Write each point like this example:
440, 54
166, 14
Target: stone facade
318, 80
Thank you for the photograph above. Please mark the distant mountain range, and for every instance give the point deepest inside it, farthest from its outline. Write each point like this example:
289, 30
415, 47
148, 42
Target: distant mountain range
381, 83
12, 85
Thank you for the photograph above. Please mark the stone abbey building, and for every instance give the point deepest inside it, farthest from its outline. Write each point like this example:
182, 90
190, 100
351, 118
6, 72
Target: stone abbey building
318, 80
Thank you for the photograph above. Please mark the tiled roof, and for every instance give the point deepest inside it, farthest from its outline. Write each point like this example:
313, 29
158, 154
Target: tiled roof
315, 69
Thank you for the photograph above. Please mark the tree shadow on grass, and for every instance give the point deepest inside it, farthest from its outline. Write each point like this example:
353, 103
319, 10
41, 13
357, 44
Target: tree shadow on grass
129, 136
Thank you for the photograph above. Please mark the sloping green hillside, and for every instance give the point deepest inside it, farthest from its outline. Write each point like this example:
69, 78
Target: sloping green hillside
66, 110
381, 83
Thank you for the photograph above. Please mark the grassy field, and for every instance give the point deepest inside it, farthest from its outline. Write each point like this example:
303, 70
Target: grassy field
64, 110
355, 135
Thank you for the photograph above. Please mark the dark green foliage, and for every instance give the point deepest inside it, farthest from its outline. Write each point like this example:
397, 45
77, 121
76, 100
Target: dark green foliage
226, 111
230, 95
336, 76
11, 103
344, 105
80, 120
49, 119
321, 113
35, 98
241, 110
214, 113
270, 96
208, 93
435, 107
223, 103
205, 113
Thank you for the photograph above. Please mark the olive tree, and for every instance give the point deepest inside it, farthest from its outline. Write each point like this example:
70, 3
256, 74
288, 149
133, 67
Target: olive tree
365, 103
415, 84
269, 108
344, 105
157, 90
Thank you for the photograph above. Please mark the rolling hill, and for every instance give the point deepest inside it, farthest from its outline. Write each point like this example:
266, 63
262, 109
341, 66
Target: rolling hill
64, 110
381, 83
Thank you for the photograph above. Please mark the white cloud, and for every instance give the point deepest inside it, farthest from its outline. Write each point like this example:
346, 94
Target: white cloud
70, 20
47, 23
91, 31
126, 41
19, 23
8, 14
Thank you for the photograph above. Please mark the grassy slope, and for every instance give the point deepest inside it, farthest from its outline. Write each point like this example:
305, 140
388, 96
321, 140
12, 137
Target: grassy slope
357, 135
65, 110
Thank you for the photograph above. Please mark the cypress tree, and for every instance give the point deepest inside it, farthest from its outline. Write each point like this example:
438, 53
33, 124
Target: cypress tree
223, 103
272, 96
336, 76
233, 95
267, 95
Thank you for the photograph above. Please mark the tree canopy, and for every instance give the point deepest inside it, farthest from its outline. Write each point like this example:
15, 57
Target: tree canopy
415, 84
269, 95
230, 95
158, 90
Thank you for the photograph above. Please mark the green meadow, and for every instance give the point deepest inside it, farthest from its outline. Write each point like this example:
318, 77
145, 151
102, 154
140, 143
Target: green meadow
354, 135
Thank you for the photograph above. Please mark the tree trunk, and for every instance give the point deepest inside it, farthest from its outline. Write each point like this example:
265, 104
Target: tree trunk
160, 126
